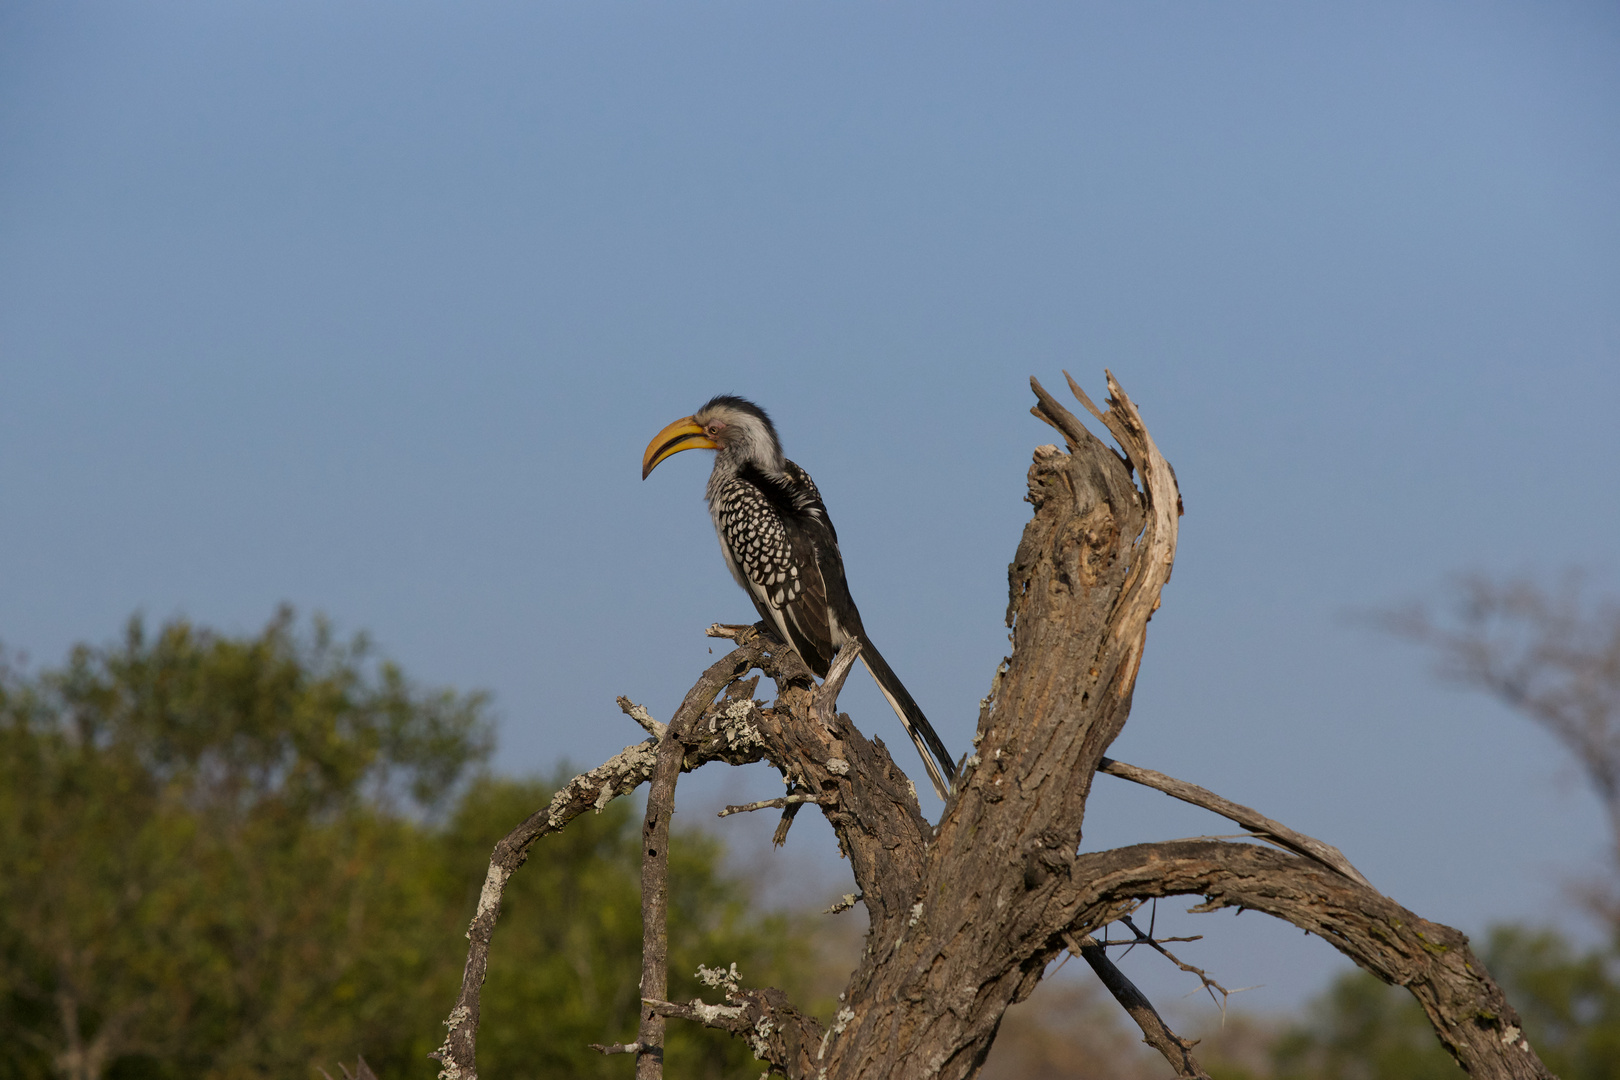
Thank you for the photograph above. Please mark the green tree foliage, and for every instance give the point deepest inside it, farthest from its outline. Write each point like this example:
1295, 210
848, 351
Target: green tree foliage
565, 965
247, 857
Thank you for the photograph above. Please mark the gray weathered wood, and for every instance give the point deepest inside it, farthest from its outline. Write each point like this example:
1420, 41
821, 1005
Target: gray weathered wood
965, 916
1253, 820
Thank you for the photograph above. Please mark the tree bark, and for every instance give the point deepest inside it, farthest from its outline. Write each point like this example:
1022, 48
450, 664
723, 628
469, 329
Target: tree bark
1467, 1009
965, 916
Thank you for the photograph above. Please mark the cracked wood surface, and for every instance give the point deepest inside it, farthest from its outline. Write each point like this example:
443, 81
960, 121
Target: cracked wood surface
965, 916
929, 994
1467, 1009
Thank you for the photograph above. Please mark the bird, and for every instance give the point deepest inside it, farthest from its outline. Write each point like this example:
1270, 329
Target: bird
781, 547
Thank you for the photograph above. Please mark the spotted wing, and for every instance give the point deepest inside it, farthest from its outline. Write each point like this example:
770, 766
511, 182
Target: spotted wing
775, 557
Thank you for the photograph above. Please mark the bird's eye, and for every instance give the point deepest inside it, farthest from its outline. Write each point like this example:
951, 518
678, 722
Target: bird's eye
714, 428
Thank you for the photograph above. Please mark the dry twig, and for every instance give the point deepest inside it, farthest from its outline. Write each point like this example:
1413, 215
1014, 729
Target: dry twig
1256, 822
619, 1048
1155, 1032
777, 804
640, 715
1157, 944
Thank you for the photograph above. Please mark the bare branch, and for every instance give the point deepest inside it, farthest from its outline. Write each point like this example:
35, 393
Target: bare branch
1467, 1009
640, 715
723, 1017
869, 802
619, 775
1050, 411
655, 895
672, 753
825, 703
1256, 822
844, 903
776, 1031
619, 1048
593, 790
1155, 1032
778, 803
1211, 987
1001, 882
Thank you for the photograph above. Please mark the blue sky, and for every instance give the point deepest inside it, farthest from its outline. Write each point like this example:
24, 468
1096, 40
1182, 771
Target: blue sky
371, 308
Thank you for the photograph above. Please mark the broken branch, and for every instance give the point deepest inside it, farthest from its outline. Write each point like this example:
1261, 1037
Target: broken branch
618, 1048
1256, 822
640, 715
1155, 1032
775, 1031
825, 704
1210, 985
593, 790
778, 803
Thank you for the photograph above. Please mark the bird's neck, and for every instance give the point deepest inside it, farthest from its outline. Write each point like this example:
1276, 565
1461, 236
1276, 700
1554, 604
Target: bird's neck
732, 466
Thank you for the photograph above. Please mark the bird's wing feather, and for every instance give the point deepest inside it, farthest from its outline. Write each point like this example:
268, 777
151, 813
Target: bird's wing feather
774, 557
806, 499
809, 628
782, 548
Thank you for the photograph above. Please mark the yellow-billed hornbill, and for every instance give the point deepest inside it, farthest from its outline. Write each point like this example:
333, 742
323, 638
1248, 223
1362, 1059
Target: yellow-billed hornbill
782, 549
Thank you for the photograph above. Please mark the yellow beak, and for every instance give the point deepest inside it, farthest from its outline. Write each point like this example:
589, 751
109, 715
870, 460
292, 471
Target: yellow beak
683, 434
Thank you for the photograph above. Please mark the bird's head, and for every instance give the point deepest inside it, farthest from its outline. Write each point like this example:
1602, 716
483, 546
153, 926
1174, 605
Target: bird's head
737, 429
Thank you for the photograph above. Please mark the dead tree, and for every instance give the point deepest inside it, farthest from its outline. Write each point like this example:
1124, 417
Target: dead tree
966, 915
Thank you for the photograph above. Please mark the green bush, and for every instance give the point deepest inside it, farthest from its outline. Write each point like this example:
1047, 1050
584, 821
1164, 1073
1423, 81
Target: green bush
250, 857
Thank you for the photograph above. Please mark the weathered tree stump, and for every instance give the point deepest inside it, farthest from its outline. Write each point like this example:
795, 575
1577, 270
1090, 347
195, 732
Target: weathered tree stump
967, 915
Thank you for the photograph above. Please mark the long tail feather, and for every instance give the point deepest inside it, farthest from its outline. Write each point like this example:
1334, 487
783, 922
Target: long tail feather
937, 759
